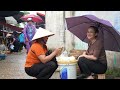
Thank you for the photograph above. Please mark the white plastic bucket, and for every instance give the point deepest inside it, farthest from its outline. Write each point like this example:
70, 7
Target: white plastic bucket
68, 71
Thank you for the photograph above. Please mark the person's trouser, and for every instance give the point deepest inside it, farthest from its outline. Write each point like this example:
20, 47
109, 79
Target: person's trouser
21, 46
88, 67
28, 45
16, 46
41, 70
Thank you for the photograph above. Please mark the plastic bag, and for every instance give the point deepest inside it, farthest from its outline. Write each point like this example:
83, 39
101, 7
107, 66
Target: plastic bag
64, 54
12, 47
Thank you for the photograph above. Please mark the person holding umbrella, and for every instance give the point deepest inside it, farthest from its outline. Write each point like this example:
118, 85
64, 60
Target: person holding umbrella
86, 28
29, 31
41, 63
94, 59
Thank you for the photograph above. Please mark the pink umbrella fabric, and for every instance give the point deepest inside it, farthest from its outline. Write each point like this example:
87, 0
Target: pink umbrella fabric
35, 18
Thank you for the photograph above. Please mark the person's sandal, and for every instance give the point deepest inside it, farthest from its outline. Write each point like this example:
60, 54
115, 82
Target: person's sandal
94, 76
82, 76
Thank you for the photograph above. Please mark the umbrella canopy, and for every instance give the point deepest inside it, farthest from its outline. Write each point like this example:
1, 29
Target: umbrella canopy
11, 20
14, 28
42, 24
8, 13
18, 16
42, 16
79, 26
35, 18
15, 19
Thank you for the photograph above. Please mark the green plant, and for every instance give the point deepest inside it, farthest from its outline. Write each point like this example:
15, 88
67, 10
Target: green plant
115, 72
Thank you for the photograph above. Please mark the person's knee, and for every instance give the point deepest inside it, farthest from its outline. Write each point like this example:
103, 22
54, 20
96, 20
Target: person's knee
80, 61
53, 64
81, 58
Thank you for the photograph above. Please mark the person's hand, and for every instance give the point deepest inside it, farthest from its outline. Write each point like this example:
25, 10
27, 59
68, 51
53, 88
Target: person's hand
83, 55
80, 56
26, 40
58, 51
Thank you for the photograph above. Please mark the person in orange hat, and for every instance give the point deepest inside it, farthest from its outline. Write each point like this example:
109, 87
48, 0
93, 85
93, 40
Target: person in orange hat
39, 62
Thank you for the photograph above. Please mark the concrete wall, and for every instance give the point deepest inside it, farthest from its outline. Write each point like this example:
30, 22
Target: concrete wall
113, 59
55, 23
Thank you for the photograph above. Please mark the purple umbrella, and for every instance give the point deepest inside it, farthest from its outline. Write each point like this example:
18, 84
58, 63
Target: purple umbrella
79, 26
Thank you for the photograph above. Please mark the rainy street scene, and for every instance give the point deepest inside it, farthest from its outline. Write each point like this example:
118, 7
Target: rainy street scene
59, 44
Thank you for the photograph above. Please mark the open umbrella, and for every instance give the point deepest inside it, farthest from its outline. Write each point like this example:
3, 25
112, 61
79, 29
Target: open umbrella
35, 18
8, 13
79, 26
13, 19
41, 24
42, 16
14, 28
18, 16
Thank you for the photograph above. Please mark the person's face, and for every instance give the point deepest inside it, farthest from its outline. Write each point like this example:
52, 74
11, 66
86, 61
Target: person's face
45, 39
30, 22
91, 34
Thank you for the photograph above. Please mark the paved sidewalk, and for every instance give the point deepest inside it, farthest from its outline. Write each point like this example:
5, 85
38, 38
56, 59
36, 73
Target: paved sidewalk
13, 67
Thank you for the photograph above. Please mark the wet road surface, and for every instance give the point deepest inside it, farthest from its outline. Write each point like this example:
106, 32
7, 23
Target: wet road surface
13, 67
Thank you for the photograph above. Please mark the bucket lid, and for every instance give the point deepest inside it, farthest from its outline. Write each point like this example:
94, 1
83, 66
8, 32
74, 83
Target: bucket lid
67, 62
